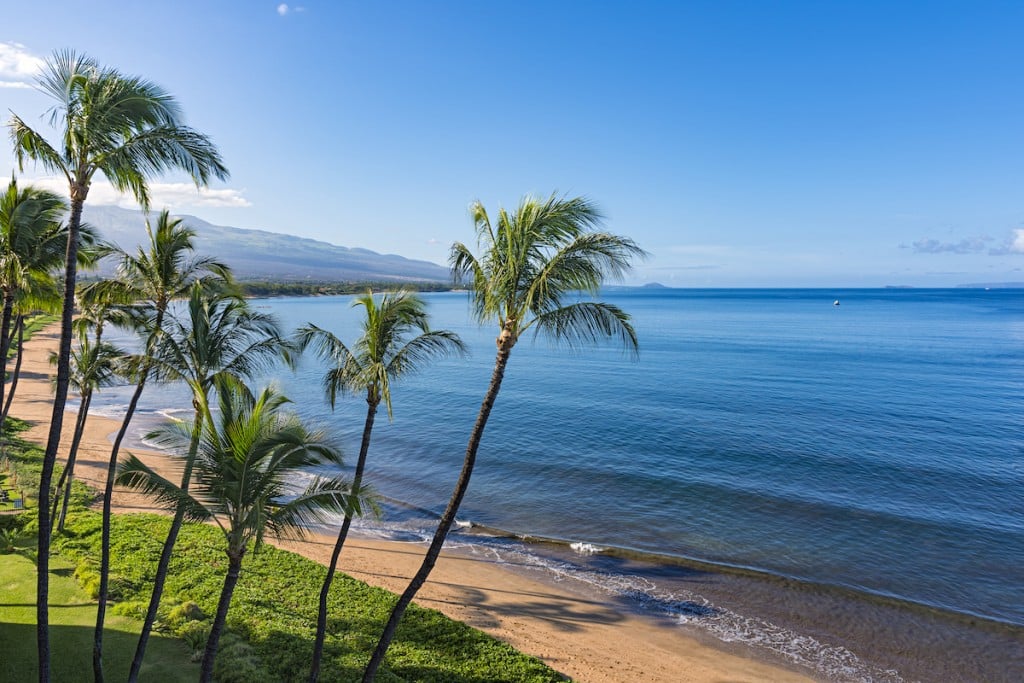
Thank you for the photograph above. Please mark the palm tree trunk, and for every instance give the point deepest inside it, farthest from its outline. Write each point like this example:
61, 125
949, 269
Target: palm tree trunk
5, 340
69, 468
505, 343
165, 556
230, 580
357, 480
108, 494
20, 326
78, 195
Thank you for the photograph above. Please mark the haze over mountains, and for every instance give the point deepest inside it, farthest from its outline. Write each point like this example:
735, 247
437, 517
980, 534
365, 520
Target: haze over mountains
262, 255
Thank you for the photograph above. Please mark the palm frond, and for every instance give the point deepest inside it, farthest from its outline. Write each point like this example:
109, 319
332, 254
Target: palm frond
587, 322
136, 475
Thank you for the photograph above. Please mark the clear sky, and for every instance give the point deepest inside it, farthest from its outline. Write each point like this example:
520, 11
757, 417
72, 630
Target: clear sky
740, 143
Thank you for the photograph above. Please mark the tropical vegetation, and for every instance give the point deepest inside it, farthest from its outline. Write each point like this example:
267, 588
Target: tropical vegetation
537, 268
127, 129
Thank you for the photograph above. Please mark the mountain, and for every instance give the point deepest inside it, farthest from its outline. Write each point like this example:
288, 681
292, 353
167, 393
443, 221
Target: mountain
262, 255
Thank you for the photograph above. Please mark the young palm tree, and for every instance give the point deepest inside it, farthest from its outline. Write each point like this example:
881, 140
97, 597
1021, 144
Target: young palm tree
216, 337
383, 353
531, 267
129, 130
94, 364
247, 455
164, 270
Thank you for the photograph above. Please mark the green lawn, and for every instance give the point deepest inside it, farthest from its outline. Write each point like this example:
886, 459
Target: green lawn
72, 617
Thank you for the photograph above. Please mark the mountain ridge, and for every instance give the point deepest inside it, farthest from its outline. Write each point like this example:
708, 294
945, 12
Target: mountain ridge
255, 254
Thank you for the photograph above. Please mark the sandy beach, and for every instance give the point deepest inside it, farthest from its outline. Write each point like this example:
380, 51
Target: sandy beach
584, 639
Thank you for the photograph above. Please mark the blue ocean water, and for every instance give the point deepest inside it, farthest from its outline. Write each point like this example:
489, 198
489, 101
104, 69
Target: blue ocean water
865, 461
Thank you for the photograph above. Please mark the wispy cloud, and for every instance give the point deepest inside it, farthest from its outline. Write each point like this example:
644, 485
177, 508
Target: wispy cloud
968, 245
18, 66
284, 9
1013, 244
171, 195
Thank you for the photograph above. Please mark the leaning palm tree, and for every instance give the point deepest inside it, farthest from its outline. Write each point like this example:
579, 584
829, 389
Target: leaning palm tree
383, 353
129, 130
217, 336
531, 268
164, 270
248, 453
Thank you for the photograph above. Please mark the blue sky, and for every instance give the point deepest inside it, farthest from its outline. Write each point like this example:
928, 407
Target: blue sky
740, 143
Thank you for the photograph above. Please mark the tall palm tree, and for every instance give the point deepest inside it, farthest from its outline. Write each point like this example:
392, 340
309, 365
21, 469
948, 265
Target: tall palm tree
129, 130
384, 352
248, 454
164, 270
530, 270
32, 242
216, 337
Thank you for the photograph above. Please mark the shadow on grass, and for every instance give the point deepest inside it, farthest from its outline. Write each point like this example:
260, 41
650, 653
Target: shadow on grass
71, 655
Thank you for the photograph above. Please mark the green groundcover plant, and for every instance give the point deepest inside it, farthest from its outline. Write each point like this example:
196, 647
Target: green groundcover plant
272, 619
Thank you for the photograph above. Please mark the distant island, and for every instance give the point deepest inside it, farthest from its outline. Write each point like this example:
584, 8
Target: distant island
653, 285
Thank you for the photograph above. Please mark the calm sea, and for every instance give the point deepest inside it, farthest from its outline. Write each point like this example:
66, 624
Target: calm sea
838, 486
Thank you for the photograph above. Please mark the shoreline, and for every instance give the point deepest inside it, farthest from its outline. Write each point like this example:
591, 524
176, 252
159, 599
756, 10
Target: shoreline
586, 639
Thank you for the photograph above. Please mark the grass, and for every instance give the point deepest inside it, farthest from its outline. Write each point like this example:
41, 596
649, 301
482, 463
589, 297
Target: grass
72, 618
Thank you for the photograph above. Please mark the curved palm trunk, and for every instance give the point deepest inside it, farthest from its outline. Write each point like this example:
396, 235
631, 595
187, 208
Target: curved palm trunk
78, 194
163, 566
357, 480
230, 580
19, 325
505, 343
68, 475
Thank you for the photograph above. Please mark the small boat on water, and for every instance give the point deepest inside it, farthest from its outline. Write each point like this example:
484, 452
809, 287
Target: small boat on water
836, 302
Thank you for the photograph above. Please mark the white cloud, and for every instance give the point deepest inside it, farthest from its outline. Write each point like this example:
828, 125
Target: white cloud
18, 67
282, 9
1017, 241
174, 196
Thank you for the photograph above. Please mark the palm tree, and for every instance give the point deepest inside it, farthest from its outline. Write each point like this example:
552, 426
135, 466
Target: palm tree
383, 353
95, 364
153, 277
247, 455
32, 242
216, 337
129, 130
532, 265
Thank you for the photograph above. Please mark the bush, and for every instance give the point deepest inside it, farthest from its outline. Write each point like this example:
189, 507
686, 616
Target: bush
195, 635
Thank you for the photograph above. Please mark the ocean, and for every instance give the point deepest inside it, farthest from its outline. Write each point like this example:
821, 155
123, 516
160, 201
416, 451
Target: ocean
838, 487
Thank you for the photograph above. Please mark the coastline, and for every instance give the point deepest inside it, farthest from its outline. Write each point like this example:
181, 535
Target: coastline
586, 639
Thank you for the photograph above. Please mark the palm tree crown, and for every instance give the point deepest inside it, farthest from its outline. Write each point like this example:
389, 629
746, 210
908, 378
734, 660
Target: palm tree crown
123, 126
384, 350
534, 260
